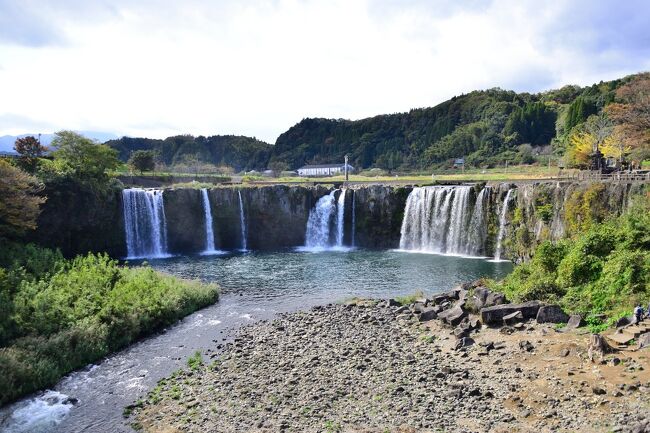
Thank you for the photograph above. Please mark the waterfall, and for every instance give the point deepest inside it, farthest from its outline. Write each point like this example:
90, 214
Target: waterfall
242, 223
502, 224
442, 219
144, 223
318, 224
340, 215
477, 233
325, 229
354, 218
207, 212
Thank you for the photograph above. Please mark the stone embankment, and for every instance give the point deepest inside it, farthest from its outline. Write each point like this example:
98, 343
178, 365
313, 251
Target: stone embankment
432, 366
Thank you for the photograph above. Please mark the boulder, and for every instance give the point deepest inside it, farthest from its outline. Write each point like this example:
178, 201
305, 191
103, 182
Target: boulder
551, 314
417, 307
479, 296
494, 315
463, 342
428, 314
644, 340
513, 318
526, 345
441, 299
392, 303
575, 321
452, 316
495, 298
625, 321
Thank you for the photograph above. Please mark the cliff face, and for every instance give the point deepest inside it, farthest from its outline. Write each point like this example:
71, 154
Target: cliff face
276, 216
555, 210
77, 220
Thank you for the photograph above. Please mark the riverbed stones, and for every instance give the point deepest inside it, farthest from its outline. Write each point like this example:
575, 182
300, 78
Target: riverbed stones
355, 368
427, 314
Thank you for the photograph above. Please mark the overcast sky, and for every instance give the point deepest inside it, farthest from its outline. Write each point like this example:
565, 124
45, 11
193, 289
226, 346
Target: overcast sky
162, 67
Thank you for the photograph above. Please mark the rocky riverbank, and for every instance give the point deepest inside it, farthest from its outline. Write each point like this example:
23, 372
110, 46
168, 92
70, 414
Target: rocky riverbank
376, 366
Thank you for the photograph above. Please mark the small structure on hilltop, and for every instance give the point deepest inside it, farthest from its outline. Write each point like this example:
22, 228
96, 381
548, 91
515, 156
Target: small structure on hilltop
324, 169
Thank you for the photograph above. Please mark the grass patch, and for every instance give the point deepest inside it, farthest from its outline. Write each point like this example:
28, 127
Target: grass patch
409, 299
195, 361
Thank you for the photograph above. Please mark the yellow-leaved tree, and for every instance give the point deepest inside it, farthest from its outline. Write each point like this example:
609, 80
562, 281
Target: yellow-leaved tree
580, 147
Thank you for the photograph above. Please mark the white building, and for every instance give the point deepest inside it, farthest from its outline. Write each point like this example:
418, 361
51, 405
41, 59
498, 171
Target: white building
323, 170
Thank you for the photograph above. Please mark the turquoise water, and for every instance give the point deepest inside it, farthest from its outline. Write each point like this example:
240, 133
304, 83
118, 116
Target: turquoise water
279, 279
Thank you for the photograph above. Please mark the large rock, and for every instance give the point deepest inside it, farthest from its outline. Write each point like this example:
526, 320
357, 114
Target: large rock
479, 297
495, 298
428, 314
575, 321
644, 340
494, 315
453, 316
513, 318
551, 314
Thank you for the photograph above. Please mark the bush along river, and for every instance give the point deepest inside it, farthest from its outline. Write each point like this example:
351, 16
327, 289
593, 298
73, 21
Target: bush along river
376, 242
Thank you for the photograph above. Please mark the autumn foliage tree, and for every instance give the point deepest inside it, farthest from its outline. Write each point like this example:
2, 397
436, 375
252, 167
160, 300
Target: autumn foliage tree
19, 201
631, 114
29, 149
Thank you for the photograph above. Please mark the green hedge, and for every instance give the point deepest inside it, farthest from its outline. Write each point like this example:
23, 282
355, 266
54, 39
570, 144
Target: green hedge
54, 322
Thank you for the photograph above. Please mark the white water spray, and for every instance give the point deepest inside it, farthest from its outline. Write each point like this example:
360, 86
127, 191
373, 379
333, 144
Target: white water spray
145, 225
242, 223
209, 232
340, 218
502, 225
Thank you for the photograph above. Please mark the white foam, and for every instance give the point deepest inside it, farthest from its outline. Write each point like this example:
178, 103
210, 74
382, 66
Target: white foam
38, 414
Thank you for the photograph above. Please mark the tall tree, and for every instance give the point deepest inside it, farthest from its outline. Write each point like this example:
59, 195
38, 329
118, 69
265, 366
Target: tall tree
85, 158
19, 201
632, 115
143, 160
29, 149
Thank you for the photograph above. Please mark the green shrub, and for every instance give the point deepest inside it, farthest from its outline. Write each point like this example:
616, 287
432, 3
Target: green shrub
82, 311
603, 271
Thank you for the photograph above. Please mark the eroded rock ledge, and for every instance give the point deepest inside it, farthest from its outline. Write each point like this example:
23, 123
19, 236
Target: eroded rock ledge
372, 367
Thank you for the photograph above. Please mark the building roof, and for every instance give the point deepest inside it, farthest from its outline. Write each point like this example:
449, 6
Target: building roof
323, 166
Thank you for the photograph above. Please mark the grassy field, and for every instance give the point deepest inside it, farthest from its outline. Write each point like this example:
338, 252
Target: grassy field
494, 174
520, 172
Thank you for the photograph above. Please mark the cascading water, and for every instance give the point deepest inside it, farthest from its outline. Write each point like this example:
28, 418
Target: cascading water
318, 224
144, 223
209, 233
354, 218
502, 224
242, 223
340, 215
442, 220
477, 233
325, 229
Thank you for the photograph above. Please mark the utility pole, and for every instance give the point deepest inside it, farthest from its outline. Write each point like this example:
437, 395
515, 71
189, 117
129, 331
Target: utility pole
346, 168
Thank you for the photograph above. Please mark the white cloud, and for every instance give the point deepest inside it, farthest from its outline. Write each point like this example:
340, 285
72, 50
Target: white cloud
257, 67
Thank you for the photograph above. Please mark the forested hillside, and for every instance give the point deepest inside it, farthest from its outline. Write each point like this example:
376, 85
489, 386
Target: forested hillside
239, 152
485, 127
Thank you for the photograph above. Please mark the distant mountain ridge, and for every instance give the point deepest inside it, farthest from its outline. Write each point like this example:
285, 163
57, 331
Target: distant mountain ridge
7, 141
